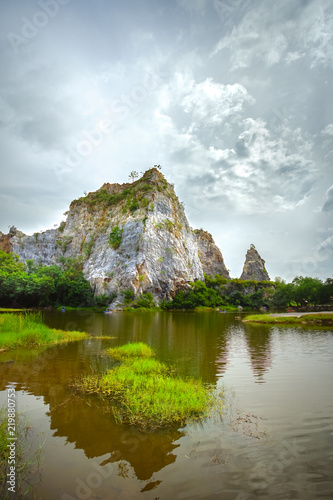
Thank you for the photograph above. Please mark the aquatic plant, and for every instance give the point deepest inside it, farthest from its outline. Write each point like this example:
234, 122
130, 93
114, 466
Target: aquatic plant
149, 392
26, 330
305, 319
132, 350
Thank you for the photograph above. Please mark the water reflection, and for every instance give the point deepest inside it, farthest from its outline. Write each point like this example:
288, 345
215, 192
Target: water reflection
185, 339
189, 341
87, 422
212, 460
258, 340
90, 427
222, 358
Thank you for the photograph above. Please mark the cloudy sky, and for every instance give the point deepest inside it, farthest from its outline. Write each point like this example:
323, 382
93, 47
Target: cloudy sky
232, 97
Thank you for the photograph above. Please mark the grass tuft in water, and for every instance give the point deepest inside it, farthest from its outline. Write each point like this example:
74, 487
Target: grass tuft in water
131, 350
149, 393
305, 319
28, 330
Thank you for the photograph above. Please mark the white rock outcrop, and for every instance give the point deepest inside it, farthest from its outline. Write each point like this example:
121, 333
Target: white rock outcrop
155, 249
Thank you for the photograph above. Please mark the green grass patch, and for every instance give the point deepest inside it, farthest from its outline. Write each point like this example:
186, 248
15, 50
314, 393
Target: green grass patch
268, 319
149, 392
306, 319
325, 319
133, 350
92, 308
28, 330
10, 309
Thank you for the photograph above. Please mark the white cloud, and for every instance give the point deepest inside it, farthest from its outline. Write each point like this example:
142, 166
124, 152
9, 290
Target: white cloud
328, 130
213, 102
261, 173
256, 38
248, 42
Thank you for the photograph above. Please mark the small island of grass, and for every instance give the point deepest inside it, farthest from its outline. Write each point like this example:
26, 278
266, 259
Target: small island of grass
320, 319
28, 330
149, 394
132, 350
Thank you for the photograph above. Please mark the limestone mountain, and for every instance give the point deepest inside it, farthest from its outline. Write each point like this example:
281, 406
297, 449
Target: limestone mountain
133, 236
254, 266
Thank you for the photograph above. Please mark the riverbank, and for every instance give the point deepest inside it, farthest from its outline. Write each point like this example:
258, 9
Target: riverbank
10, 309
28, 330
324, 318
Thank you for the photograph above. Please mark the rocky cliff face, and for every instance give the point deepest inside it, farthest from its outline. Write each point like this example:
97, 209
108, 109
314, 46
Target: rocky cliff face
130, 236
210, 255
254, 266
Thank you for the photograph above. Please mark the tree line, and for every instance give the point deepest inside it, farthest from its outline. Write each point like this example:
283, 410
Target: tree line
34, 285
222, 292
31, 285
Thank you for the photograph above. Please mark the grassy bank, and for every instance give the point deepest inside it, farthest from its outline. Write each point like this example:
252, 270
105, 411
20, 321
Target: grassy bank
148, 392
10, 309
90, 309
28, 330
217, 309
306, 319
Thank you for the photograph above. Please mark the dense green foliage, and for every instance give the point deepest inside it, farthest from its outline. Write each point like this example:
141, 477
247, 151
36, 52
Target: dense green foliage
219, 292
43, 285
103, 300
149, 393
115, 237
20, 330
198, 295
128, 296
303, 291
251, 294
144, 301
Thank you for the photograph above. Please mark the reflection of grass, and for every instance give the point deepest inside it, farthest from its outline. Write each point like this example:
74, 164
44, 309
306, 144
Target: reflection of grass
28, 330
151, 395
306, 319
27, 463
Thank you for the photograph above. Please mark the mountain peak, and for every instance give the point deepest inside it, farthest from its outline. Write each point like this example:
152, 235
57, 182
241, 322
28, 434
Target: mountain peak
254, 266
132, 236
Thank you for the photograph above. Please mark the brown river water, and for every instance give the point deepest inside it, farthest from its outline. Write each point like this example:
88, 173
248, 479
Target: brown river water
274, 439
